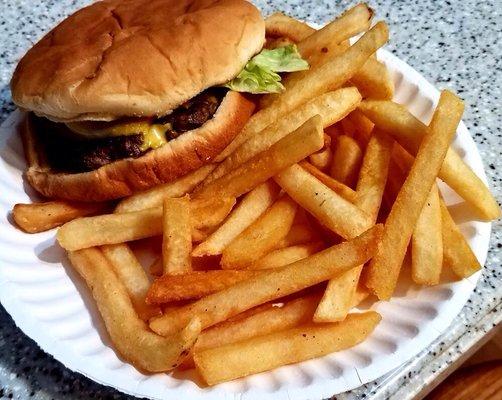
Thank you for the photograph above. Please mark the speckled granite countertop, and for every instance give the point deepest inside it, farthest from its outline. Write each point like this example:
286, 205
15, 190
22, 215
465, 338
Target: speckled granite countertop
453, 44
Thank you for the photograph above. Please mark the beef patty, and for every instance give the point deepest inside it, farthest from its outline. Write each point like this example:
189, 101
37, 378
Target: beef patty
194, 113
68, 152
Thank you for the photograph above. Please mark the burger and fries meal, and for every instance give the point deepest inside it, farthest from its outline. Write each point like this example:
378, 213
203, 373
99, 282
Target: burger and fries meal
284, 183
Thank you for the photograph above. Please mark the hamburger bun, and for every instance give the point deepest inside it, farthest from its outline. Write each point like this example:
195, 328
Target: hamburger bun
119, 58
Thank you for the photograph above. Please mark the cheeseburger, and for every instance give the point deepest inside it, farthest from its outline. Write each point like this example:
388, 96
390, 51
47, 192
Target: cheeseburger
126, 94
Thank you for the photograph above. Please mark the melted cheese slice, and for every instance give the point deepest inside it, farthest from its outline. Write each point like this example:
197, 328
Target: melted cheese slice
153, 134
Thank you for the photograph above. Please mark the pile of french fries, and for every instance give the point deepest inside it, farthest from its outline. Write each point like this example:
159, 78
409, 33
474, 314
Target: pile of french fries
310, 210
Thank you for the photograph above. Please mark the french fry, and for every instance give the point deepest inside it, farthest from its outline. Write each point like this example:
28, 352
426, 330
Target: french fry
177, 236
110, 229
322, 159
300, 233
346, 161
248, 211
40, 217
199, 235
427, 242
400, 165
261, 320
272, 284
402, 158
338, 187
373, 81
155, 196
248, 313
409, 132
350, 23
332, 210
363, 127
373, 175
280, 25
338, 297
208, 213
346, 45
360, 295
130, 272
287, 255
267, 352
330, 76
382, 273
331, 106
458, 255
315, 60
129, 334
271, 319
193, 285
124, 227
260, 237
339, 294
395, 180
297, 145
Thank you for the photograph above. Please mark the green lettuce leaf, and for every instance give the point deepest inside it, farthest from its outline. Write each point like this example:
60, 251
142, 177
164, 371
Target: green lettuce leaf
260, 75
255, 79
281, 59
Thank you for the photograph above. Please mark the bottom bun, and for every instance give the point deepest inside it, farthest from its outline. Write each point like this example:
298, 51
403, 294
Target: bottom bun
189, 151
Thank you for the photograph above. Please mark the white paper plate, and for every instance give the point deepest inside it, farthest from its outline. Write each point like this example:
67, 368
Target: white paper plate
51, 305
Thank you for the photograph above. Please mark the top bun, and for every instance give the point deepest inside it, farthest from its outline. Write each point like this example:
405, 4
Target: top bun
119, 58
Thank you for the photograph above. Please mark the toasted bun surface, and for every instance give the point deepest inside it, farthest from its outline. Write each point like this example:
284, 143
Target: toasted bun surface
119, 58
121, 178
